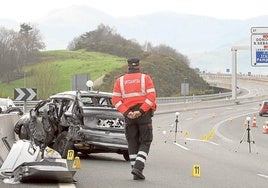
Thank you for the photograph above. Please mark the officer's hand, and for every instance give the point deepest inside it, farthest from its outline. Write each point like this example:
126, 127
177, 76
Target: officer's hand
136, 114
130, 115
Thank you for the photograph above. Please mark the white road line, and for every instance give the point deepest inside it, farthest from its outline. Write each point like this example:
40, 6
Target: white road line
183, 147
193, 139
67, 185
223, 121
262, 175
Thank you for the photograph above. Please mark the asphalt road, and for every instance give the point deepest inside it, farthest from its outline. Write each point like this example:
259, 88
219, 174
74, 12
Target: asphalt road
211, 138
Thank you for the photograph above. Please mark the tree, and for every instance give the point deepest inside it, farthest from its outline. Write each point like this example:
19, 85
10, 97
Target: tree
29, 44
105, 39
171, 52
7, 52
45, 79
18, 49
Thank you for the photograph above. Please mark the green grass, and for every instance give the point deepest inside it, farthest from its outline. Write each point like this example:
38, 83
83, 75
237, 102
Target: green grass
68, 63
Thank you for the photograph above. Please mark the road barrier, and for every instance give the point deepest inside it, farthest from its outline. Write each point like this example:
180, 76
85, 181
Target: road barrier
193, 98
7, 122
26, 106
254, 122
265, 128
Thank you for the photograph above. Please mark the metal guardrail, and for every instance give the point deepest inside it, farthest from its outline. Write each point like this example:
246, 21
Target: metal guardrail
26, 106
193, 98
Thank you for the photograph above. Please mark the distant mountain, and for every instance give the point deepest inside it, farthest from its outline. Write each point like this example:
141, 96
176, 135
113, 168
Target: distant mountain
206, 41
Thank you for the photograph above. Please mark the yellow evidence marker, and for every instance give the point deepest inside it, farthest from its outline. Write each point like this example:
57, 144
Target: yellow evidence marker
204, 138
196, 170
76, 163
186, 133
70, 155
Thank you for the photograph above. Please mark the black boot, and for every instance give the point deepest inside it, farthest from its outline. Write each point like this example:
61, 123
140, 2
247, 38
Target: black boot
137, 174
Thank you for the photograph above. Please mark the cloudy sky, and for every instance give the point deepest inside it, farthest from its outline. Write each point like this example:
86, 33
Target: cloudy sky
31, 10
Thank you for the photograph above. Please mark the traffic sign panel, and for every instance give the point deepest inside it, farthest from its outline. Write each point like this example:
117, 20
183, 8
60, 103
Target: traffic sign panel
25, 94
256, 30
259, 46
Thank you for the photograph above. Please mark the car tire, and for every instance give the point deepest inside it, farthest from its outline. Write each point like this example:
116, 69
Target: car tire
62, 145
126, 156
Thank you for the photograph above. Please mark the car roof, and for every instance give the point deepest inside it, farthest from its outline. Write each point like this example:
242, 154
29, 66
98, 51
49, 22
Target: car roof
72, 94
97, 93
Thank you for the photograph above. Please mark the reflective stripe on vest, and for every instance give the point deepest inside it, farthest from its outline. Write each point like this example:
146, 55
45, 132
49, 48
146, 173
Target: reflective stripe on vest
116, 94
118, 104
150, 103
151, 90
133, 94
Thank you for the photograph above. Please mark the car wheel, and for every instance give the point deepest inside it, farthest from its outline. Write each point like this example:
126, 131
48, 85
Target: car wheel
62, 145
126, 156
260, 114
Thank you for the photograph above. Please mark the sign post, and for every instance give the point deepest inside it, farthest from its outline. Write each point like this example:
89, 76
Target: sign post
234, 50
259, 46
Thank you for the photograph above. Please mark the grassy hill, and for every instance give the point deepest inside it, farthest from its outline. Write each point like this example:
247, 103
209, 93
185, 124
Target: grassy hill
67, 64
167, 73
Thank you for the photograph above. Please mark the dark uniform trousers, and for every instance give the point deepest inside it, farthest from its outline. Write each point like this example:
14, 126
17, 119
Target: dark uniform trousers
139, 135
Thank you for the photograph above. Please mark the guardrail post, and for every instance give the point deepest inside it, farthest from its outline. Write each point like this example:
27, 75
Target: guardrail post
24, 107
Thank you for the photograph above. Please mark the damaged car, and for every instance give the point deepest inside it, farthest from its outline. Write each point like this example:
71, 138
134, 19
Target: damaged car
83, 121
8, 106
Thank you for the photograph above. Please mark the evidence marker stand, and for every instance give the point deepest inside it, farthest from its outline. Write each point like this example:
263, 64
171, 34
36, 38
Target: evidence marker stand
176, 126
249, 137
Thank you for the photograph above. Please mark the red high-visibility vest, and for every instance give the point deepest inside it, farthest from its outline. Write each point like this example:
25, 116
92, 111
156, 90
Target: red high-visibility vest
134, 88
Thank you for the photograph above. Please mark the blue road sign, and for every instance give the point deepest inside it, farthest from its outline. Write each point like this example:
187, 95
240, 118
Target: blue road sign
261, 56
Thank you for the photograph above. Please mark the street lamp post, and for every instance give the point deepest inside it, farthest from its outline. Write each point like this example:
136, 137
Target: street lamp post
24, 79
184, 93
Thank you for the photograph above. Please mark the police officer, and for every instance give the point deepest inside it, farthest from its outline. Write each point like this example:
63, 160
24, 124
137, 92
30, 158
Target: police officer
134, 96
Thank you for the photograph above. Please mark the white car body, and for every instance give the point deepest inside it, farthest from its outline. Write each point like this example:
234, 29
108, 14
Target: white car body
5, 103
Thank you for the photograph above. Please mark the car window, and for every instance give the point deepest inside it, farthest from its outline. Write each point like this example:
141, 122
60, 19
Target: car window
265, 104
43, 107
103, 101
96, 101
87, 101
63, 105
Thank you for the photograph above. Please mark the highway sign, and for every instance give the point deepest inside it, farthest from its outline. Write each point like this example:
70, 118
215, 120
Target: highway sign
184, 88
25, 94
259, 46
